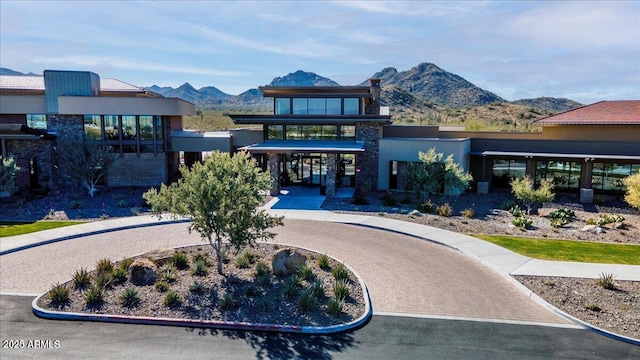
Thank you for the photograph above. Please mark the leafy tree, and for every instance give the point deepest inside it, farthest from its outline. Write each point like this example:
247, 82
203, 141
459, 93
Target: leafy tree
524, 191
435, 173
84, 160
8, 170
632, 196
221, 196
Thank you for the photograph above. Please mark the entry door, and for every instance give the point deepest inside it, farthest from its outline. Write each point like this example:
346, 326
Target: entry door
313, 170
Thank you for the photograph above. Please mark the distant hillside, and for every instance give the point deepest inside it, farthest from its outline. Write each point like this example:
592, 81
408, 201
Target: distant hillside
436, 85
5, 71
555, 104
302, 78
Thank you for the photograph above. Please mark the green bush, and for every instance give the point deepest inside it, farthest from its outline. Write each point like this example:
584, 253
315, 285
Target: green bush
172, 298
607, 281
341, 290
467, 213
180, 260
609, 219
305, 272
58, 294
94, 295
200, 268
122, 203
292, 287
522, 222
201, 257
563, 213
262, 269
104, 265
516, 211
242, 262
340, 272
252, 291
119, 275
334, 307
167, 273
161, 286
307, 301
103, 280
445, 210
426, 207
197, 287
129, 297
317, 288
227, 302
265, 305
323, 262
507, 205
81, 278
125, 263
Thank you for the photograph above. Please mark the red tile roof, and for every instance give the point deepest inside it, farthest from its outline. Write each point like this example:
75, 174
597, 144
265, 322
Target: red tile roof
618, 112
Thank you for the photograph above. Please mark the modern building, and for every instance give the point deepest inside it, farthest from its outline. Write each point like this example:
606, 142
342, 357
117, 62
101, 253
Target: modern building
37, 111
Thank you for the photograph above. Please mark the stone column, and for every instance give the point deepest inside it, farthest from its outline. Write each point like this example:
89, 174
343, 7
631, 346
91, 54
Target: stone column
367, 162
332, 174
586, 175
274, 171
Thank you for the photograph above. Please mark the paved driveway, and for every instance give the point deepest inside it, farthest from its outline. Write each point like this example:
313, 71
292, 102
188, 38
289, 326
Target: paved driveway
404, 274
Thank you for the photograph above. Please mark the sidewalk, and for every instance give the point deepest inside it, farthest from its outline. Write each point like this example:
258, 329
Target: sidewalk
496, 257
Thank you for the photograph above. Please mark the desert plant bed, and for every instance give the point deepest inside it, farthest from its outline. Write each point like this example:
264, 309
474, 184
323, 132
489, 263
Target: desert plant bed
247, 293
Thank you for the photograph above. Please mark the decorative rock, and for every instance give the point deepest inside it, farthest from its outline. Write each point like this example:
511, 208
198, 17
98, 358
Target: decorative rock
415, 213
286, 262
143, 272
160, 257
618, 226
593, 229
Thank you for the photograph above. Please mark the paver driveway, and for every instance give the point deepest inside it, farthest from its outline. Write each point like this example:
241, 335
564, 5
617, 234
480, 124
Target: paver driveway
404, 274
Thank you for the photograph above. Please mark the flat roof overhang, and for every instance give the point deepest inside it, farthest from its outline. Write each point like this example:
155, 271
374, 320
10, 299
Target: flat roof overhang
537, 155
316, 91
308, 119
306, 146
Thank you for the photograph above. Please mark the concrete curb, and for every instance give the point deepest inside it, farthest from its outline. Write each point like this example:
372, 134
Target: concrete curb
216, 324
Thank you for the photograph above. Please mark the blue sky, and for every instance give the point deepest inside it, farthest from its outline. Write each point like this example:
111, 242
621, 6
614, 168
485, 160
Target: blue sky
585, 51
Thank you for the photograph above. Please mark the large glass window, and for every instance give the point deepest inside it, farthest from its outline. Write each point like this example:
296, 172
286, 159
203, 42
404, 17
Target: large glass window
505, 170
283, 106
37, 121
93, 127
275, 132
351, 106
294, 132
564, 174
311, 132
610, 176
334, 106
317, 106
112, 132
329, 132
300, 106
347, 132
146, 133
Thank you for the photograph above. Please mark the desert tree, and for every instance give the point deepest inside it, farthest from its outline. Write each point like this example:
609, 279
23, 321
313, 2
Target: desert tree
8, 170
434, 174
221, 196
524, 190
632, 195
84, 161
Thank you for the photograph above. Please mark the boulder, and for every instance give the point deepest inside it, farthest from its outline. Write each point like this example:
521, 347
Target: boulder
415, 213
160, 257
593, 229
286, 262
143, 272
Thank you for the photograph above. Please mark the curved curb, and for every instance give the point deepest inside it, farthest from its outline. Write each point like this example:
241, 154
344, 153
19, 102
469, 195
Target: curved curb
216, 324
94, 232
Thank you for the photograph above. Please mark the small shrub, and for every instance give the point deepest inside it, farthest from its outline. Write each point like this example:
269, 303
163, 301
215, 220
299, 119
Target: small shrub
516, 211
125, 263
119, 275
81, 278
426, 207
334, 307
197, 287
341, 290
522, 222
122, 203
227, 302
307, 301
607, 281
161, 286
180, 261
135, 211
251, 256
167, 273
75, 204
252, 291
292, 287
305, 272
609, 219
104, 265
172, 298
265, 305
467, 213
340, 272
323, 262
264, 280
242, 262
94, 295
563, 213
199, 268
508, 205
58, 294
262, 269
590, 221
317, 289
445, 210
103, 280
129, 297
593, 307
201, 257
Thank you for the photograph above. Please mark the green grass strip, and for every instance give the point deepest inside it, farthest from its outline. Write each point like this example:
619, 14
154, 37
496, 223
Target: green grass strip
19, 228
568, 250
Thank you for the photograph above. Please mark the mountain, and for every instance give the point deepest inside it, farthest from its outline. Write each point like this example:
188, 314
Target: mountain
436, 85
5, 71
555, 104
302, 78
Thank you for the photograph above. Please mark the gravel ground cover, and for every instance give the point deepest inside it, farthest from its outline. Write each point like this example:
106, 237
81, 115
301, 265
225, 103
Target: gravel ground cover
257, 299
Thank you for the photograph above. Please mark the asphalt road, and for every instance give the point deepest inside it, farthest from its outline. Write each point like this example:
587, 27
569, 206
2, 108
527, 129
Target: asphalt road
385, 337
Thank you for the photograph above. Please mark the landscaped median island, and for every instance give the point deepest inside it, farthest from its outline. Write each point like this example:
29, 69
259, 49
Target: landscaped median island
265, 287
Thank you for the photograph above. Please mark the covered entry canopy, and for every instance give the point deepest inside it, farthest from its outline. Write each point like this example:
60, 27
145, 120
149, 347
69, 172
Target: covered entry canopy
306, 146
591, 157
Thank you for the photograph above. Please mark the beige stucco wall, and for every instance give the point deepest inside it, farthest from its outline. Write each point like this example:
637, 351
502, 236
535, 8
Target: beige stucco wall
15, 104
618, 133
124, 106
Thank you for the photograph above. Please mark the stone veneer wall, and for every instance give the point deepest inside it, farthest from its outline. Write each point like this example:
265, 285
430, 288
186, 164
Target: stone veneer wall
40, 150
367, 162
64, 126
131, 170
